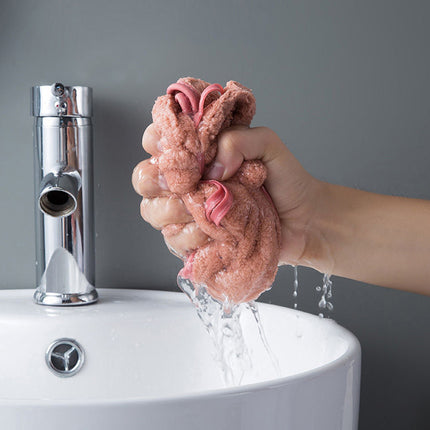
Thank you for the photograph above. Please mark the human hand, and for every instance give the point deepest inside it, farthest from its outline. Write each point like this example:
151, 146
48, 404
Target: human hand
291, 188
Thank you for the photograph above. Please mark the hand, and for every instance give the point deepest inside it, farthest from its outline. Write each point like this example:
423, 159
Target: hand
377, 239
292, 189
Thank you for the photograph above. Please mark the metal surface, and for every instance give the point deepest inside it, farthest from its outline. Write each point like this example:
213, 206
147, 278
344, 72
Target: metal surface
60, 100
59, 193
54, 299
63, 158
65, 357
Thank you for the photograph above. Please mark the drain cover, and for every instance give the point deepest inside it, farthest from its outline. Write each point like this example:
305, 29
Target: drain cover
65, 357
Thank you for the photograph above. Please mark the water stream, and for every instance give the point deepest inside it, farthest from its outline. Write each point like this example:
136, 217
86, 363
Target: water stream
222, 322
256, 313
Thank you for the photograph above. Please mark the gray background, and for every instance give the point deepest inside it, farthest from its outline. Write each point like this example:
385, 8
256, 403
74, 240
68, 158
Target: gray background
345, 84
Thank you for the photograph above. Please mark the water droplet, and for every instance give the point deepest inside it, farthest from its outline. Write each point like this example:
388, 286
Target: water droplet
227, 331
326, 290
295, 286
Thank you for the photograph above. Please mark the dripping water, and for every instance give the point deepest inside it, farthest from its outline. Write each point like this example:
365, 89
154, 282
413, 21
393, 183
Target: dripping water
326, 295
295, 286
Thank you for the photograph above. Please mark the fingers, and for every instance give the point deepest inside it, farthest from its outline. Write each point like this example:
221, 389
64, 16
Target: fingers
159, 207
286, 178
238, 144
184, 240
151, 140
162, 211
147, 180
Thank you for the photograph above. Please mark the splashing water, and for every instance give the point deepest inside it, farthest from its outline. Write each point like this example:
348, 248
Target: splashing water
295, 286
222, 322
327, 294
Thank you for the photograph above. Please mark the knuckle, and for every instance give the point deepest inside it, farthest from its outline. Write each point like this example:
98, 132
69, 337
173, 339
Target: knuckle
135, 177
146, 180
270, 135
147, 213
230, 140
161, 211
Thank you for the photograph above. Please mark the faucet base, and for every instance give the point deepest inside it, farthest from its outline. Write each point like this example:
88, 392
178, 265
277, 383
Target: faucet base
41, 297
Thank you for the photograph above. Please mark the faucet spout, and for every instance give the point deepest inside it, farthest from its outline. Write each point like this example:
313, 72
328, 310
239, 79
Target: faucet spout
59, 193
63, 195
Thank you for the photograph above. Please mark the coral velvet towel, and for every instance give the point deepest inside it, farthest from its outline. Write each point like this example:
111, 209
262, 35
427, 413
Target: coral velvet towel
240, 259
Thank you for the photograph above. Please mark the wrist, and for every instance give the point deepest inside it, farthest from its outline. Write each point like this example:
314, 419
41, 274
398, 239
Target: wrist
319, 224
302, 226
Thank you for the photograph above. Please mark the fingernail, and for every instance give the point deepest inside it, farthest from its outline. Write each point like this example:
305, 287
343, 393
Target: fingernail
216, 171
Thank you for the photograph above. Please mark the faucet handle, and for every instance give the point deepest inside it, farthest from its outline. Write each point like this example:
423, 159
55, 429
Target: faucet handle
60, 100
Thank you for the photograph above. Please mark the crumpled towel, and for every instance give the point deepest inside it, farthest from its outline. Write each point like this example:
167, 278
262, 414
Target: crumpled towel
240, 259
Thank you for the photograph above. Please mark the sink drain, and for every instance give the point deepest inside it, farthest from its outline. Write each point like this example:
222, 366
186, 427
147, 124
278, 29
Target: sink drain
65, 357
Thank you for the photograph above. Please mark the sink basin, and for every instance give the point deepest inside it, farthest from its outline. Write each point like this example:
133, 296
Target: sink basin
147, 363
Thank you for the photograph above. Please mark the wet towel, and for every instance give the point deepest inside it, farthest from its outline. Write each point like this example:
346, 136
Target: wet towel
239, 260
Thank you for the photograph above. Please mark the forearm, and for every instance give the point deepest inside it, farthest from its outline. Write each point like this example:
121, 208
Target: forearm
377, 239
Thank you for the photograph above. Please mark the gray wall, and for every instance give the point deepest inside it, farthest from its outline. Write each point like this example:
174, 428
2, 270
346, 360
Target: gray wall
345, 84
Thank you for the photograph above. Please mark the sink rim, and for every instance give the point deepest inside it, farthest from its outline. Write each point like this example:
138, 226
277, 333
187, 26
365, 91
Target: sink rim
353, 349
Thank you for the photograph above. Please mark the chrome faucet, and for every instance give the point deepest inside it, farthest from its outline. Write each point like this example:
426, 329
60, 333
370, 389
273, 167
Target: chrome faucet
64, 195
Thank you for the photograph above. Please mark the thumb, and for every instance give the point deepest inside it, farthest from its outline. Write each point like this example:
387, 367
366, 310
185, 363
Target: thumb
237, 144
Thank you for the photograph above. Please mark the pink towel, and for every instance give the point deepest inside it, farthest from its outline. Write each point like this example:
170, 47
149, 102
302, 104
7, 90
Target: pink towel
240, 259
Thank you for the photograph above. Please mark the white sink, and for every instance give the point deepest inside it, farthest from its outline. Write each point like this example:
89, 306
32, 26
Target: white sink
148, 365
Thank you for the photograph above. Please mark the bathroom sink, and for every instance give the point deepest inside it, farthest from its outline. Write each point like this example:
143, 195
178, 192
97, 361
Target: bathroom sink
146, 362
